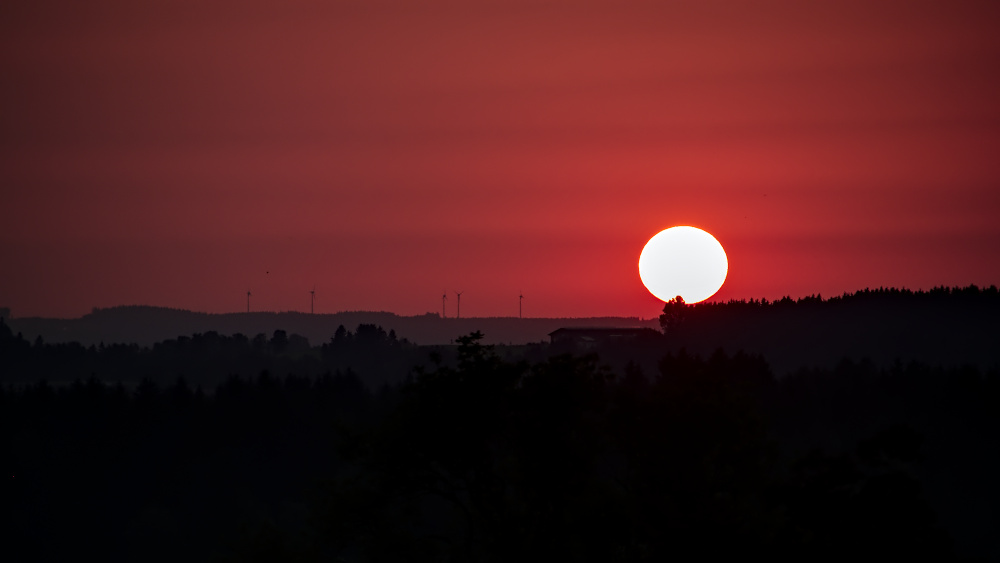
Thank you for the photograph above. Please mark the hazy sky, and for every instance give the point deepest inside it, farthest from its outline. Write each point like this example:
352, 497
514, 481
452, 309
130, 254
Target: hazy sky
172, 153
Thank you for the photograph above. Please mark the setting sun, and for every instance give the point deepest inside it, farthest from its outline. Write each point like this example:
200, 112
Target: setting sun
684, 261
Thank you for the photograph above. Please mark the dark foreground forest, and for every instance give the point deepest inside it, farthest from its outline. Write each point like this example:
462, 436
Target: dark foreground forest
473, 453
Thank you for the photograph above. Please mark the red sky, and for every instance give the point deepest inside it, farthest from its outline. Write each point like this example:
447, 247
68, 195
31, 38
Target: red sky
171, 153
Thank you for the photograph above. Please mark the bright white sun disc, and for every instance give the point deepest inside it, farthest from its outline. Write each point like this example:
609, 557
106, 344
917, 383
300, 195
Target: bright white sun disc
683, 261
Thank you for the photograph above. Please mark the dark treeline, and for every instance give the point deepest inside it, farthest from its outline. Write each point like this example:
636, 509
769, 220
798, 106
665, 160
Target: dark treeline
940, 294
481, 458
942, 326
207, 359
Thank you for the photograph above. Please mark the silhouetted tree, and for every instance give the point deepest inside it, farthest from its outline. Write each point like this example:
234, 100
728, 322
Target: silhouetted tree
674, 312
279, 341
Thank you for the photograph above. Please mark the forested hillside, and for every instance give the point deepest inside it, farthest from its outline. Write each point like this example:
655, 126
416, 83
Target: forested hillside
370, 448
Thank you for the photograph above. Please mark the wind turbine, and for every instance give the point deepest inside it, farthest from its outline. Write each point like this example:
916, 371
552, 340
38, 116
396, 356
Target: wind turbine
444, 298
248, 301
520, 298
312, 301
458, 314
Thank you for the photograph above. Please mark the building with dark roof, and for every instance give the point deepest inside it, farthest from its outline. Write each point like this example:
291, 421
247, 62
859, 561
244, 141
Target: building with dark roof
588, 338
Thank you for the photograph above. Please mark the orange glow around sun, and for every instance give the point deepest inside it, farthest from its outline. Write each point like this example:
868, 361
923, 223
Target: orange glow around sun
684, 261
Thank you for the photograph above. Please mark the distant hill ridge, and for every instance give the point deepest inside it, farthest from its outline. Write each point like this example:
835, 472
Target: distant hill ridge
146, 325
941, 326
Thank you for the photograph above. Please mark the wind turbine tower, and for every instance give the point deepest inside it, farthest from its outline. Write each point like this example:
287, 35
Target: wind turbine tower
458, 306
444, 298
312, 301
248, 301
520, 298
